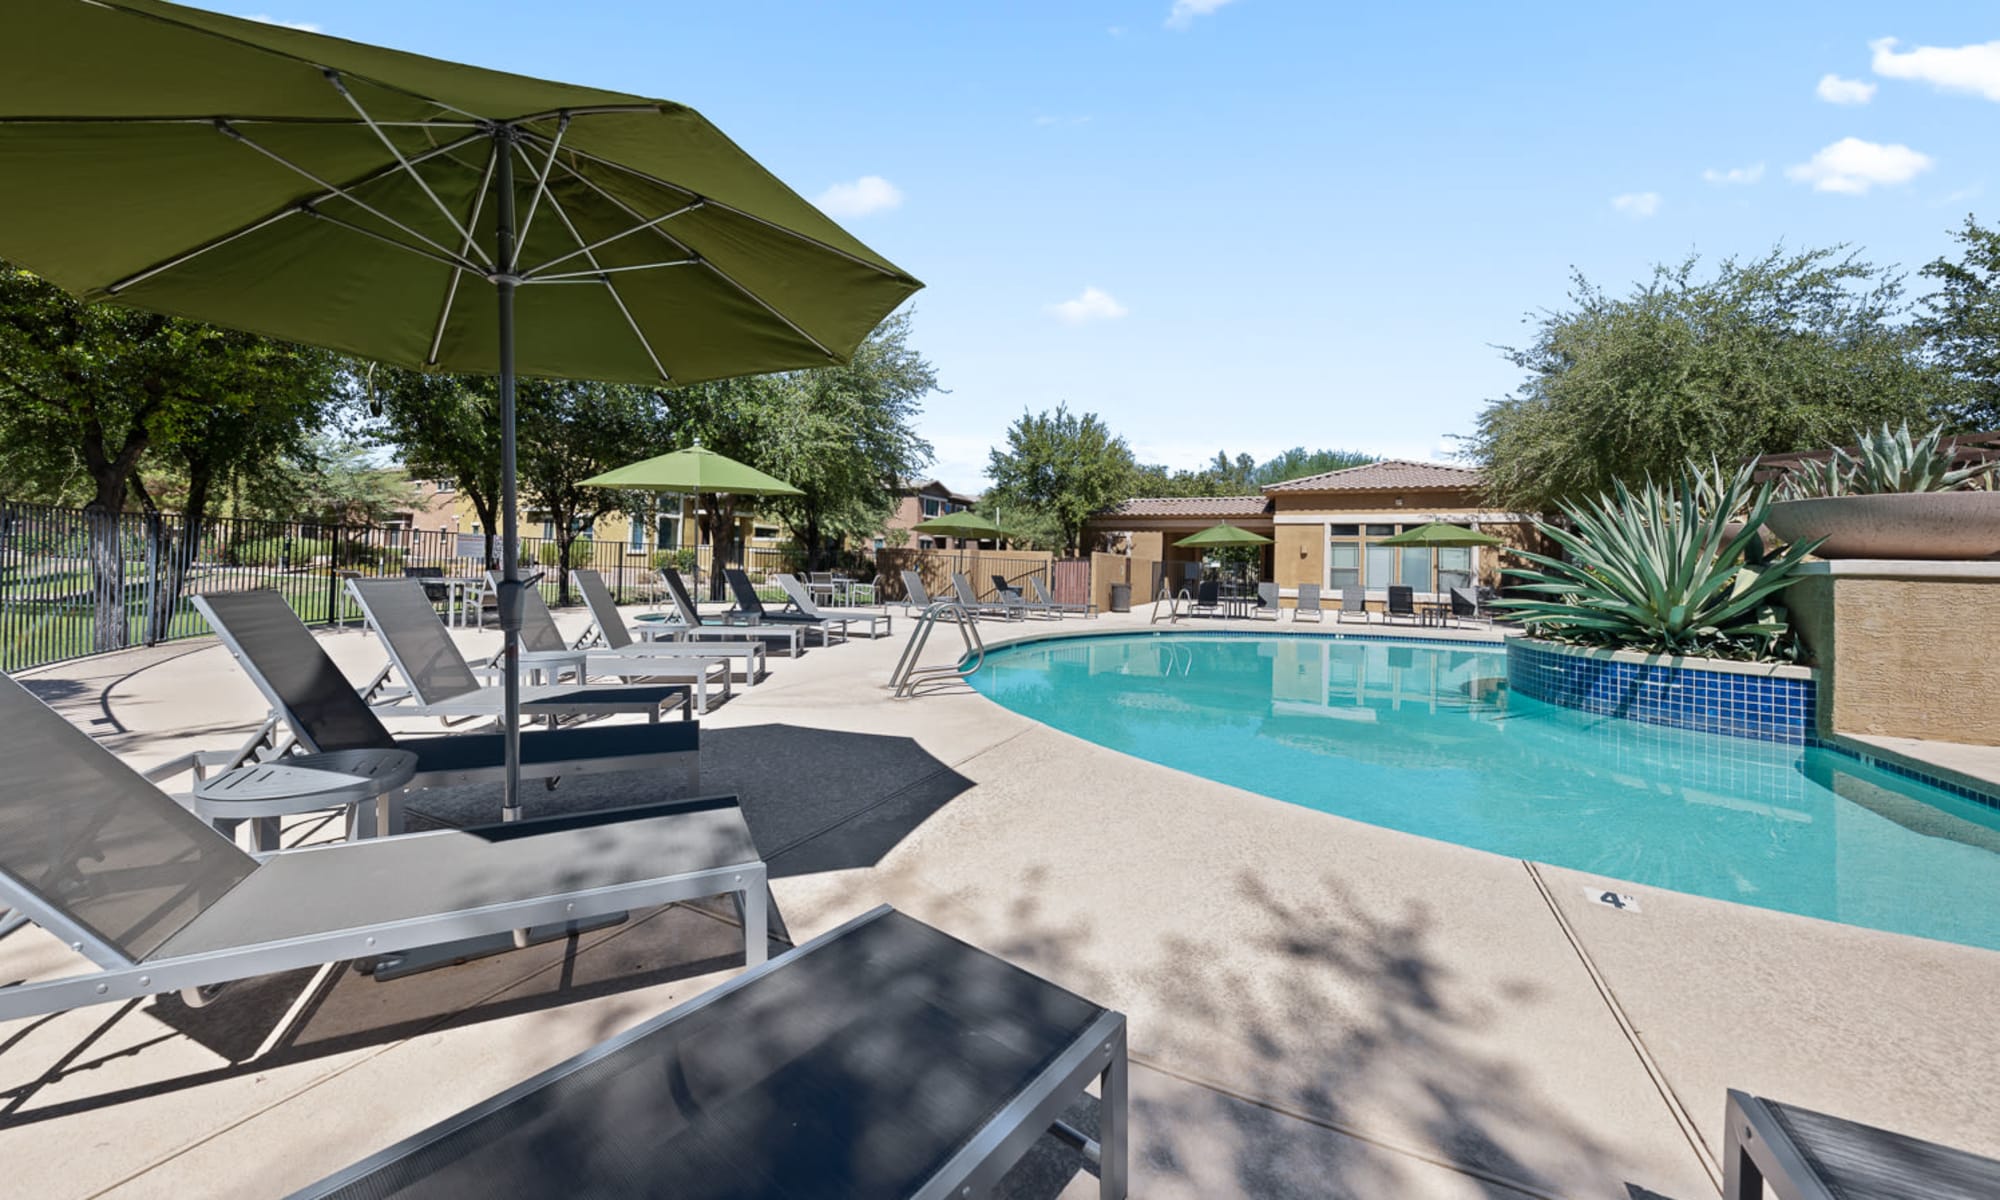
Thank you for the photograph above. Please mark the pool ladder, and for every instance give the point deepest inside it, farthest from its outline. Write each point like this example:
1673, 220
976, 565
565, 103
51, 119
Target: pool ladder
1173, 604
908, 678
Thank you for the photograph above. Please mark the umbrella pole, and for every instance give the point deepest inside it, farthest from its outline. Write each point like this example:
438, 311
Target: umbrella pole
509, 599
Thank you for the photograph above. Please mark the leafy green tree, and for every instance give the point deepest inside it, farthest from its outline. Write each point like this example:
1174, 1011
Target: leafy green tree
843, 435
443, 427
570, 430
1961, 323
89, 392
1061, 466
1789, 351
331, 480
1298, 462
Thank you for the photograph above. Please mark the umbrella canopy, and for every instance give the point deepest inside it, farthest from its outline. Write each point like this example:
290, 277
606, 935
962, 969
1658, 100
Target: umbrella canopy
1222, 537
694, 470
961, 525
1438, 533
392, 206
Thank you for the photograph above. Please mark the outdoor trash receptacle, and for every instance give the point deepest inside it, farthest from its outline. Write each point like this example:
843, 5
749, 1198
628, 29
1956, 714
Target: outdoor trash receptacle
1121, 597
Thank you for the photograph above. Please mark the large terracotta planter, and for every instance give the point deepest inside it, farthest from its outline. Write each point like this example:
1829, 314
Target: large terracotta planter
1921, 525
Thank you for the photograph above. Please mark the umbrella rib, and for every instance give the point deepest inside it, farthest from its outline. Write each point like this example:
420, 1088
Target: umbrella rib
458, 273
594, 186
333, 77
601, 272
644, 343
542, 183
236, 119
728, 208
343, 193
289, 210
529, 274
444, 259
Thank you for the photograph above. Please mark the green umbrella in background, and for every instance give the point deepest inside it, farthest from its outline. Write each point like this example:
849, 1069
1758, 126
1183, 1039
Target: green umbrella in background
1438, 533
1223, 536
392, 206
693, 471
961, 525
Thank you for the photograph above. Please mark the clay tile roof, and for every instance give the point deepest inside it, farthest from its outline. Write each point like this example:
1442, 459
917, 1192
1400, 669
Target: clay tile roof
1387, 475
1189, 506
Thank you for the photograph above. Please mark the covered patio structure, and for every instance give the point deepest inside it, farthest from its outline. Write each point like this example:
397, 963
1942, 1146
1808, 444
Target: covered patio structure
1148, 527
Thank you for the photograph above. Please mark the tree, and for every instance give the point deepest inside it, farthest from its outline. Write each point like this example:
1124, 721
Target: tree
88, 391
1298, 462
444, 427
1062, 466
1961, 324
1790, 351
570, 430
843, 436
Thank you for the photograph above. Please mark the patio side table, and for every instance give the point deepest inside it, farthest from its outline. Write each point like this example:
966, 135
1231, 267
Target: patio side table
260, 793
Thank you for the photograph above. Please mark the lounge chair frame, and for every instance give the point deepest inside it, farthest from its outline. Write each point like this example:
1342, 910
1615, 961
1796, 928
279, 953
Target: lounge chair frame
124, 975
974, 1170
693, 627
609, 629
750, 610
1047, 600
1307, 602
802, 599
543, 646
1353, 599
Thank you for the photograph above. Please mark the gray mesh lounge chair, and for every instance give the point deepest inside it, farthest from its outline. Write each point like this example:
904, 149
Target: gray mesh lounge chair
609, 628
692, 627
1268, 606
884, 1059
1402, 604
324, 712
1307, 604
543, 643
750, 609
1465, 606
438, 682
915, 595
1793, 1153
1353, 603
1002, 588
969, 600
802, 599
159, 902
1048, 601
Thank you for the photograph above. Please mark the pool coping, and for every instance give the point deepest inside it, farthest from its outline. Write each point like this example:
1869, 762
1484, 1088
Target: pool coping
1984, 793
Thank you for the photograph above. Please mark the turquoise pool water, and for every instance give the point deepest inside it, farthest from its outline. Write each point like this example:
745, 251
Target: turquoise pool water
1426, 739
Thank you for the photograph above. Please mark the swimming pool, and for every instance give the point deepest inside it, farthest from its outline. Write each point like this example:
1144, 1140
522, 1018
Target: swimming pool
1426, 738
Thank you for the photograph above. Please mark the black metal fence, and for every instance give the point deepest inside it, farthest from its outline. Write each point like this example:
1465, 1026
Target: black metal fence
74, 582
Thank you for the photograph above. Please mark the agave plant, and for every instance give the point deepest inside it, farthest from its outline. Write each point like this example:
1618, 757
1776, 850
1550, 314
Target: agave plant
1885, 461
1667, 569
1893, 461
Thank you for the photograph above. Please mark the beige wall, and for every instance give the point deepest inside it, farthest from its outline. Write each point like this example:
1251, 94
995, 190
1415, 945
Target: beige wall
1298, 556
1910, 657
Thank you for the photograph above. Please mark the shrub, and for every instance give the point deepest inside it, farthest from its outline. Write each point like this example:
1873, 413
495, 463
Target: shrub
681, 560
579, 553
1668, 570
277, 552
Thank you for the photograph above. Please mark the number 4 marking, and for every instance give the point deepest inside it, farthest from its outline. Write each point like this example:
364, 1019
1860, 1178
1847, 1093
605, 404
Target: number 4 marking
1617, 900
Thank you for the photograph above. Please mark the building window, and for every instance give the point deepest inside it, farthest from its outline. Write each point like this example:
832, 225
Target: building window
1417, 568
1454, 567
923, 543
934, 507
881, 542
668, 527
764, 533
637, 543
445, 485
1381, 567
1343, 565
1343, 531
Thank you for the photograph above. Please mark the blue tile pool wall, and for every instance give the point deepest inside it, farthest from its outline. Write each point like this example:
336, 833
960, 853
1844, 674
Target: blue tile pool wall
1752, 706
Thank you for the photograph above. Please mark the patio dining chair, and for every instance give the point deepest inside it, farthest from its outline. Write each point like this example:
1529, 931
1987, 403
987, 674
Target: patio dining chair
1402, 604
159, 902
1207, 599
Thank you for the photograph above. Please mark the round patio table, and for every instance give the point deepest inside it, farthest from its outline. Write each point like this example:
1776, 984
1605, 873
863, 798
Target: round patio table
260, 793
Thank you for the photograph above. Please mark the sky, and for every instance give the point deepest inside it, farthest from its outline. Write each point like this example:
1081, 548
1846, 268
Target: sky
1246, 225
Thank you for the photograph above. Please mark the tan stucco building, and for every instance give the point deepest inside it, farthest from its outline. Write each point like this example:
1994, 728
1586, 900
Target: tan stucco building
1325, 528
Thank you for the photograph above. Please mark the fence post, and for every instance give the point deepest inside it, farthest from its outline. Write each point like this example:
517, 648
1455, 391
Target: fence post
333, 577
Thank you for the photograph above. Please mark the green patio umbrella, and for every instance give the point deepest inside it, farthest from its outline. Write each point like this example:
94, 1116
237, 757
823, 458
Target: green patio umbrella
961, 525
392, 206
1438, 533
694, 471
1223, 536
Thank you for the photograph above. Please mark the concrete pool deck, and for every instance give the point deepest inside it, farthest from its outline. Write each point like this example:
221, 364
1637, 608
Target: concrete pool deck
1318, 1007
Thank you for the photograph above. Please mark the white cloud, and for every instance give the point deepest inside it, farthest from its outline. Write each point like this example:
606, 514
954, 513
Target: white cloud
1092, 304
1974, 68
1734, 175
1185, 11
268, 19
868, 194
1835, 90
1637, 205
1853, 166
